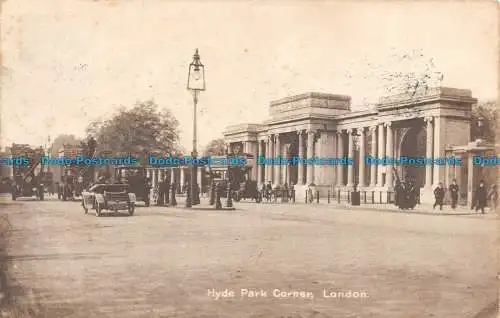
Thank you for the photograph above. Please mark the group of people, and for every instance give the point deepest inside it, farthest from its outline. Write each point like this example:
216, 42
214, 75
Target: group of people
268, 191
407, 194
479, 200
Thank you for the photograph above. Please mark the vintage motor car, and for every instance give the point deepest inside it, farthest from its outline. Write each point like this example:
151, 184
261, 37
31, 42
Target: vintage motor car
110, 197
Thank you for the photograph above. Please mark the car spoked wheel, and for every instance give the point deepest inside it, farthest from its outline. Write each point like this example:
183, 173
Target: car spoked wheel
98, 209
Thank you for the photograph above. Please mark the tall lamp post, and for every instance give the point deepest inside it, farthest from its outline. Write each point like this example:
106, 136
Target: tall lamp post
355, 198
195, 84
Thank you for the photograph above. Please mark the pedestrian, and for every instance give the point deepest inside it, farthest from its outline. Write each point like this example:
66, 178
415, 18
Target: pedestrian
161, 193
269, 191
493, 196
439, 196
453, 188
481, 197
398, 195
167, 192
309, 195
173, 201
413, 193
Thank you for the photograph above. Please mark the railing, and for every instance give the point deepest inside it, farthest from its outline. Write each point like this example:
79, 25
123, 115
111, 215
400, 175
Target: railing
365, 197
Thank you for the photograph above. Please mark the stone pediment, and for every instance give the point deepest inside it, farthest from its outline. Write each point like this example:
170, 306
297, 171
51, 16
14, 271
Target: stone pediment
309, 103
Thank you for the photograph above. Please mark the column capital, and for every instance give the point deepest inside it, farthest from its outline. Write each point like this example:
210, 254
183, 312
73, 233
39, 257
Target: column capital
349, 130
311, 131
361, 130
372, 129
339, 132
428, 118
300, 132
388, 124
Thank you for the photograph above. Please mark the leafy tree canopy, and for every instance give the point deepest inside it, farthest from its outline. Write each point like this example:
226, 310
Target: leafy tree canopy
142, 130
488, 111
216, 147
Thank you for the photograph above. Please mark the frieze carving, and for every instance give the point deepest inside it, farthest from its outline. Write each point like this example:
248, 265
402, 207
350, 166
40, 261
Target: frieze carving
309, 103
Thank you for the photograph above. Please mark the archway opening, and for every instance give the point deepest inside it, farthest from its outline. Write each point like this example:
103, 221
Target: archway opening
413, 144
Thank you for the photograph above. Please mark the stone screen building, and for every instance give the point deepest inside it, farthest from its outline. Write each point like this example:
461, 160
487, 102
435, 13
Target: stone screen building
427, 123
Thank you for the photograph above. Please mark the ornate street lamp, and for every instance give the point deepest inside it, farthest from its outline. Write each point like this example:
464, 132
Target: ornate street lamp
229, 177
195, 84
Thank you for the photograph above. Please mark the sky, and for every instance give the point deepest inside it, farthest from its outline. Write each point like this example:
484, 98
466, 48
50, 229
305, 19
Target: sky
69, 62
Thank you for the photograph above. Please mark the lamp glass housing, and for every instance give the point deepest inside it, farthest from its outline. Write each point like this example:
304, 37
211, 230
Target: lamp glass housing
196, 75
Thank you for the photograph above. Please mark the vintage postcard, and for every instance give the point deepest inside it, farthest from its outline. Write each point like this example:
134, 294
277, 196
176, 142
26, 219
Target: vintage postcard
238, 159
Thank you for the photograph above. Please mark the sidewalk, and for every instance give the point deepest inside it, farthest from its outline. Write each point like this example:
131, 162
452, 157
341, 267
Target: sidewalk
389, 207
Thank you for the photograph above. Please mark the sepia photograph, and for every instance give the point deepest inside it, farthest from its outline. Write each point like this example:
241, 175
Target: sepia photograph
244, 159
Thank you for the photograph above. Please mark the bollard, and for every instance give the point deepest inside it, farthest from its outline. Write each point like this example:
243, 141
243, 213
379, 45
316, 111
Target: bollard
212, 193
338, 196
380, 197
373, 197
173, 201
218, 203
188, 198
317, 196
167, 194
229, 202
328, 196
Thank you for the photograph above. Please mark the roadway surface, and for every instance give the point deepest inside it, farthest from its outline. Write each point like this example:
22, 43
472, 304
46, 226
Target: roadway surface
170, 262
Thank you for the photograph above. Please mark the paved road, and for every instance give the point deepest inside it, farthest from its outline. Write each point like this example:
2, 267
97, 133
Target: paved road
166, 262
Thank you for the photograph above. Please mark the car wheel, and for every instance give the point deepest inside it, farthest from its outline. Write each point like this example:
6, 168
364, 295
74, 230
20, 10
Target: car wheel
131, 209
98, 209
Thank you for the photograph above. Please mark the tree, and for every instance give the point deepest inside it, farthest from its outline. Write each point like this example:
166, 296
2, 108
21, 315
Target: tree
139, 131
488, 111
216, 147
60, 141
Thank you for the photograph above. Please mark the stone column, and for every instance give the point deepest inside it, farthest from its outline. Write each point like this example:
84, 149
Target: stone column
381, 154
310, 154
373, 167
470, 178
350, 168
389, 153
172, 175
182, 177
148, 173
438, 174
254, 148
199, 176
340, 154
271, 156
361, 166
161, 174
277, 154
300, 168
429, 149
259, 167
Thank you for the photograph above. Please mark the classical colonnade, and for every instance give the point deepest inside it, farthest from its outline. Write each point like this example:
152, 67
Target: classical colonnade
382, 140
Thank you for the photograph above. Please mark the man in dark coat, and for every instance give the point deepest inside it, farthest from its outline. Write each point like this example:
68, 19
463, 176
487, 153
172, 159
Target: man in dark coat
161, 192
413, 193
439, 196
398, 194
453, 188
481, 197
